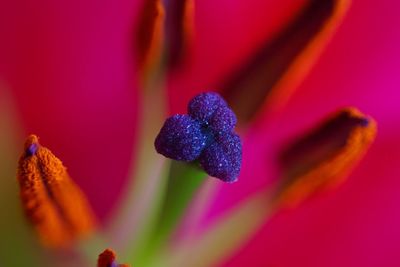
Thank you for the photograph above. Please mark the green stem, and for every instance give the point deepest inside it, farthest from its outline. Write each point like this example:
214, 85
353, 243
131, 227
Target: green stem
183, 183
142, 197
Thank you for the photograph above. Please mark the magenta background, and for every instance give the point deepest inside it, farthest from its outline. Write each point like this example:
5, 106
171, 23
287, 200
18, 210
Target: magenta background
70, 69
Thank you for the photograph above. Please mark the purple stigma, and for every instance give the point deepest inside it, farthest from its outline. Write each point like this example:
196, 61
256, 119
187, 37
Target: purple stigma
203, 106
204, 135
223, 158
180, 138
32, 149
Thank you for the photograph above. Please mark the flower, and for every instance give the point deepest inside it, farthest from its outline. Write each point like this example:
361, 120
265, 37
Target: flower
69, 70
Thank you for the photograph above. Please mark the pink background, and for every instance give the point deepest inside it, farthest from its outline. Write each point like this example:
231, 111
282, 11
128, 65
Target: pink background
69, 65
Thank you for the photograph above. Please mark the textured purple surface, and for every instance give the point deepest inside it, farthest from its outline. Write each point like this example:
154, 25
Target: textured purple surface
180, 138
223, 158
203, 106
205, 134
223, 120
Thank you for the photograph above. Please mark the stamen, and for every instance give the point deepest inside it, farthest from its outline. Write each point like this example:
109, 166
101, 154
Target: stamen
150, 33
108, 259
322, 158
270, 76
180, 20
53, 203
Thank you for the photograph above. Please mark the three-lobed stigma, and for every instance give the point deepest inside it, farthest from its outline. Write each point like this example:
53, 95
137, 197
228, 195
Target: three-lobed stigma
205, 135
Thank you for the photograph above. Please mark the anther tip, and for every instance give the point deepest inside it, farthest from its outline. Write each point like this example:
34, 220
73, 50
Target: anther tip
31, 144
32, 149
364, 122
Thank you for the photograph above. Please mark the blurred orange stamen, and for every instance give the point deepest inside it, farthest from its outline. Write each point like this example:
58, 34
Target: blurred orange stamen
180, 29
323, 158
150, 34
107, 259
268, 79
